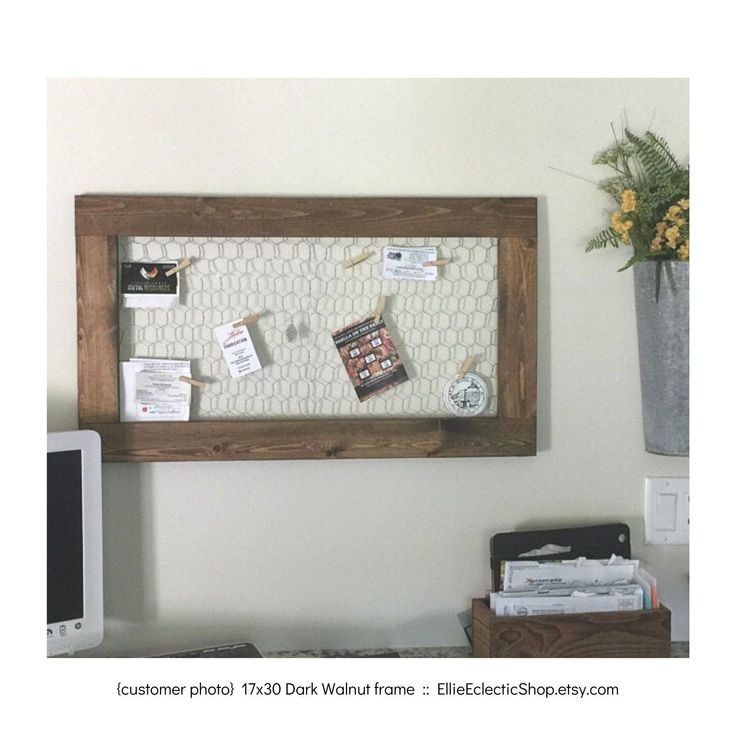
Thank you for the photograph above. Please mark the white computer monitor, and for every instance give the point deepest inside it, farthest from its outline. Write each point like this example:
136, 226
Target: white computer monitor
74, 541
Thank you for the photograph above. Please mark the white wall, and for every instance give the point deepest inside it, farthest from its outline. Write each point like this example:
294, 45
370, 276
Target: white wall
294, 554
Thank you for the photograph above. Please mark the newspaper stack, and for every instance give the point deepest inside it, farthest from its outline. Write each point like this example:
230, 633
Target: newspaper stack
573, 586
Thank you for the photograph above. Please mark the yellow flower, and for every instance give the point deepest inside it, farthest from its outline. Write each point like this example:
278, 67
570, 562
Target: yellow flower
661, 227
621, 226
683, 252
684, 203
628, 200
673, 211
672, 233
680, 221
656, 245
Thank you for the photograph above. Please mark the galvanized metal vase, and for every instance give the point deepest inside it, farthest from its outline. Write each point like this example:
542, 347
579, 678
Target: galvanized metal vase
664, 355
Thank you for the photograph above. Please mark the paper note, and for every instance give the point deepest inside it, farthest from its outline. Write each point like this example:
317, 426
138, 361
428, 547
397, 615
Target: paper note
161, 396
406, 263
522, 575
570, 600
146, 285
152, 392
237, 349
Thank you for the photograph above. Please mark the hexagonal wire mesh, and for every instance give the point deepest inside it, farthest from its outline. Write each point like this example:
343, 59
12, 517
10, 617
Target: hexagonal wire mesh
301, 282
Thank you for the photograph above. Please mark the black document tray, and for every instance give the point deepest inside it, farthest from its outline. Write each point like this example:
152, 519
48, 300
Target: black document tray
594, 542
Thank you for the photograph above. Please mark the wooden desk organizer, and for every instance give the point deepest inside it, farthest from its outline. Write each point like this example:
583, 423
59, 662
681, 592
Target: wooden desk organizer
615, 634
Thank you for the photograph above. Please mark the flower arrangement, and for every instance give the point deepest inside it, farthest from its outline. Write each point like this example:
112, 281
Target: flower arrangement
652, 190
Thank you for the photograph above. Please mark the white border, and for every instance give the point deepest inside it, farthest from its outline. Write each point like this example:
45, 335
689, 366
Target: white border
91, 632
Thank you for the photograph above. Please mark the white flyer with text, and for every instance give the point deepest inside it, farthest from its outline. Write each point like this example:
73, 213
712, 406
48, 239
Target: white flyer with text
152, 392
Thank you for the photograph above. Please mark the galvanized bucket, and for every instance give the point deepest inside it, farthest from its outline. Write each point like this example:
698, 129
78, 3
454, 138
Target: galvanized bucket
664, 355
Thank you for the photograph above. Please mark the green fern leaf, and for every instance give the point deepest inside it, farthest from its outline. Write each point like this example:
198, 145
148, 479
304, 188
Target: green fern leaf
657, 165
660, 144
603, 239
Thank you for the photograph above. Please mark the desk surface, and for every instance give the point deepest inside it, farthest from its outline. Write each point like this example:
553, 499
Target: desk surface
677, 649
406, 652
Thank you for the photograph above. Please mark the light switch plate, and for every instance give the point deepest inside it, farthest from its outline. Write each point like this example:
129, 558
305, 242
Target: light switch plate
667, 510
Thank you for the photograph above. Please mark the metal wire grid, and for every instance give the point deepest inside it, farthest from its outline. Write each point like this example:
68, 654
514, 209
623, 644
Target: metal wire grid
301, 282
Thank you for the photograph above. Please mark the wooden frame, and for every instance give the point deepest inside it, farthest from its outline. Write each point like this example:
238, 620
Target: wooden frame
101, 219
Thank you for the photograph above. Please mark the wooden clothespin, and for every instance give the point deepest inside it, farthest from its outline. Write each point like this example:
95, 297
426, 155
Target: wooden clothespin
437, 262
193, 382
183, 263
355, 260
249, 320
377, 313
465, 366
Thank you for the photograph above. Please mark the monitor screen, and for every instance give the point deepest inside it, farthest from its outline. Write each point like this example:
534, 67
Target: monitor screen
74, 604
64, 551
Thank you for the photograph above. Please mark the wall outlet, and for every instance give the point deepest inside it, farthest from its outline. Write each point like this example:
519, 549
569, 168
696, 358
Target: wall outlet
667, 510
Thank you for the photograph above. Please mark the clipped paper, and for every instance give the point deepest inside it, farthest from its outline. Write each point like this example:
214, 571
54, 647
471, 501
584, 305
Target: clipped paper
237, 349
407, 263
370, 357
146, 285
152, 392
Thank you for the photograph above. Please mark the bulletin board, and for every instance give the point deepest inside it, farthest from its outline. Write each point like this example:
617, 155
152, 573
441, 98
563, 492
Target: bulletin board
283, 258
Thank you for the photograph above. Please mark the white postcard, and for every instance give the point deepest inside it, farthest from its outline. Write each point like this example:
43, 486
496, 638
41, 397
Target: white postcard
152, 392
406, 263
237, 349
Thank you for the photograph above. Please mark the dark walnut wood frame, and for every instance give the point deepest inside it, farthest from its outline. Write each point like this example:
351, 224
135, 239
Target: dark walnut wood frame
101, 219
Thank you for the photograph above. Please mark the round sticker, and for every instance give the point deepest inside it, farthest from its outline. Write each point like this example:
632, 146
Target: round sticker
466, 396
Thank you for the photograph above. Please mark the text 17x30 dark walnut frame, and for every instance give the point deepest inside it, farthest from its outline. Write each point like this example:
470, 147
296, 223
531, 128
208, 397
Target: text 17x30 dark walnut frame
101, 219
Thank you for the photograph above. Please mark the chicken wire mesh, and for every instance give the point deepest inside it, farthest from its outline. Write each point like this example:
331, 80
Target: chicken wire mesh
304, 294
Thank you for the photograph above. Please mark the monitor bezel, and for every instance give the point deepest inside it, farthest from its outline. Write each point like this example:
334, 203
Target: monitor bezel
66, 637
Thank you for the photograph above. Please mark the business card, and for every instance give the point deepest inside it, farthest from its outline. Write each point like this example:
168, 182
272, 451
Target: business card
237, 349
406, 263
146, 285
